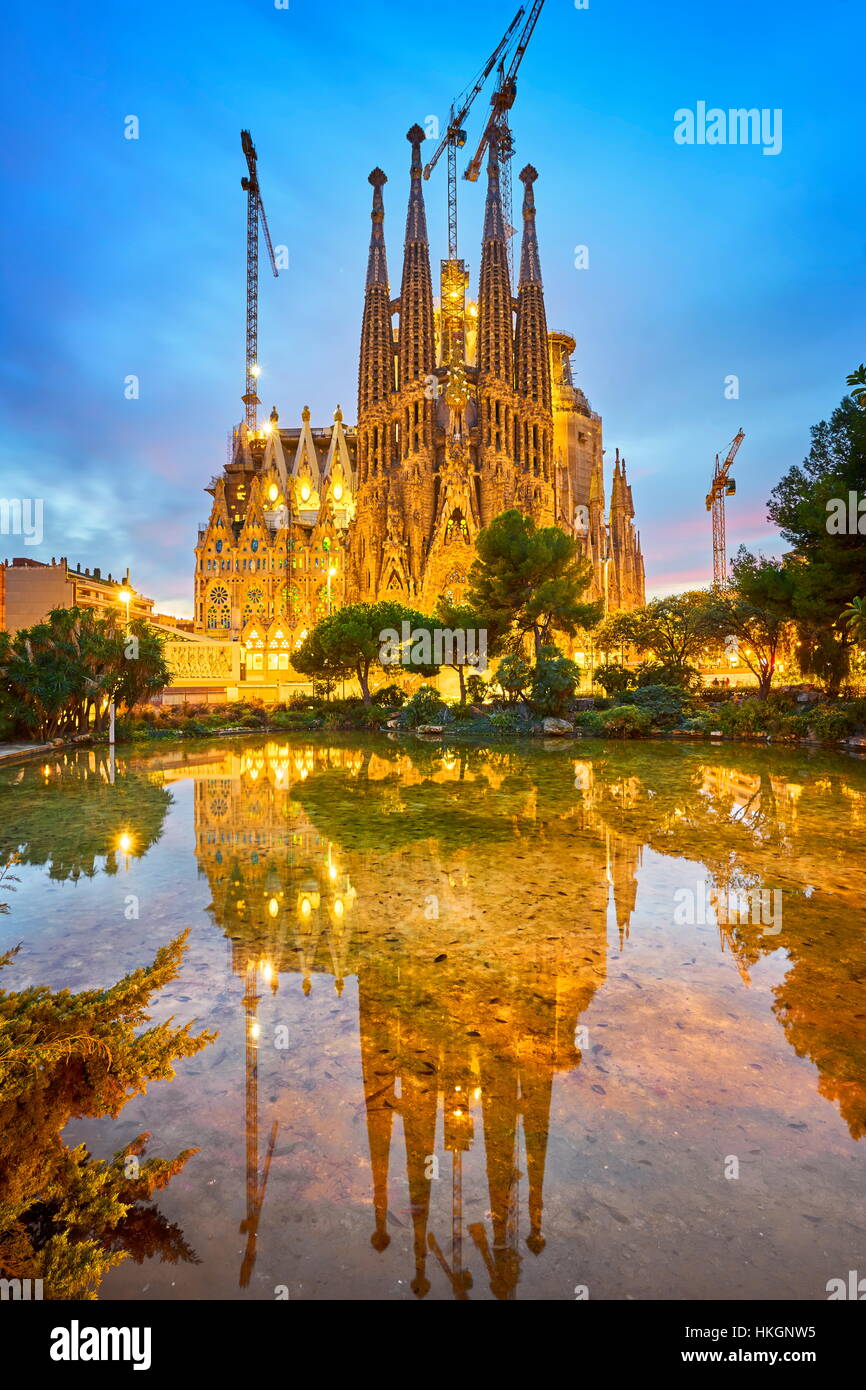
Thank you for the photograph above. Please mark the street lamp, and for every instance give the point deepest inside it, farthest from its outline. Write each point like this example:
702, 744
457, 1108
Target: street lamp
125, 596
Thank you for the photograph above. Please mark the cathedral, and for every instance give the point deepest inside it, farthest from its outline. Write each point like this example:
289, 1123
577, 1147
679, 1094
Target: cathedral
465, 409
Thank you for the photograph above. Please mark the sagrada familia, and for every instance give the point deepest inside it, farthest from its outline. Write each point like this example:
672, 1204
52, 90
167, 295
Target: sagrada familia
464, 410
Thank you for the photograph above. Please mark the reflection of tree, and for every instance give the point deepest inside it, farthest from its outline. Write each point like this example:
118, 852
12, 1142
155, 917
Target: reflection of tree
67, 1218
67, 815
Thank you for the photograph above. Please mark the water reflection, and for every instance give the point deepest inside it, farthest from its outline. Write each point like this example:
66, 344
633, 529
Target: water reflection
475, 896
469, 893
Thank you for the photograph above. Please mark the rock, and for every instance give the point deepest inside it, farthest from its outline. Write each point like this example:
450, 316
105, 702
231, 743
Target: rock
857, 741
716, 733
560, 727
393, 724
430, 729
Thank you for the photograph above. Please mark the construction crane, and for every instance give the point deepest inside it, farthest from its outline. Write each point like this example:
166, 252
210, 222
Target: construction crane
454, 277
722, 486
255, 210
498, 128
455, 136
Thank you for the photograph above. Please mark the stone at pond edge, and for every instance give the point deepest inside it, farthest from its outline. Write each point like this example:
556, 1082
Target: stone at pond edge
560, 727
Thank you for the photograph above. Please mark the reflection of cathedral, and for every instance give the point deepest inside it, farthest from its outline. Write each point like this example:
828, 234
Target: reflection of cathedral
464, 410
467, 1006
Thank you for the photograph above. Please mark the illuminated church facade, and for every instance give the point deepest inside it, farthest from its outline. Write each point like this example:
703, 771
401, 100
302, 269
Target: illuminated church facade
465, 409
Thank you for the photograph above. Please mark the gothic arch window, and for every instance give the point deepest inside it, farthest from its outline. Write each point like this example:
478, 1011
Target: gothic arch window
254, 606
218, 608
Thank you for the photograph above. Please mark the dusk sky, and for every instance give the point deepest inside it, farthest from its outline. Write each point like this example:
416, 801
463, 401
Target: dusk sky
125, 257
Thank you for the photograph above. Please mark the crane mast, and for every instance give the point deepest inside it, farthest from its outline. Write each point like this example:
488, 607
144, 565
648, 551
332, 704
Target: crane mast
255, 212
722, 486
498, 128
454, 277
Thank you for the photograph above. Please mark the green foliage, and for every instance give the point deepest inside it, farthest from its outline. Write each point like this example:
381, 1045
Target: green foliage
394, 696
352, 640
462, 618
671, 630
854, 618
477, 689
857, 379
614, 679
531, 579
663, 703
683, 677
507, 721
514, 677
65, 1217
425, 707
753, 617
554, 680
58, 677
625, 721
590, 721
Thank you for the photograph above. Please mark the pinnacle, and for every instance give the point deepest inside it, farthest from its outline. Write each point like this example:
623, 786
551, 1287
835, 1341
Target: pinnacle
528, 174
378, 178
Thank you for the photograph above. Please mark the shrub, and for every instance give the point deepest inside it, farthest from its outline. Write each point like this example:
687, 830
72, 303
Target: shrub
614, 679
590, 721
553, 682
513, 676
425, 707
625, 721
477, 689
668, 673
506, 722
663, 703
392, 695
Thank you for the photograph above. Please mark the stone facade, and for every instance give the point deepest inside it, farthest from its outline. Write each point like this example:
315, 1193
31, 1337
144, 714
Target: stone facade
464, 410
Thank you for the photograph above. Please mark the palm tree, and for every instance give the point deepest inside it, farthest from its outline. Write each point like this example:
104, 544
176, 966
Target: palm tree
854, 618
857, 379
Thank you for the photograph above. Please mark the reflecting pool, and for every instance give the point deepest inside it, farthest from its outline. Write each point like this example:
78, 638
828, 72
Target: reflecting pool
524, 1021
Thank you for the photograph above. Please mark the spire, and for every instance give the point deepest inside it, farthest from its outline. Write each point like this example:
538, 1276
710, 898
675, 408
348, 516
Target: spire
530, 264
416, 218
532, 351
495, 321
417, 354
376, 368
377, 265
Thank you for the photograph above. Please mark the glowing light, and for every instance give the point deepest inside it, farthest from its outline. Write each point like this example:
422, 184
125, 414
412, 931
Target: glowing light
125, 842
125, 595
477, 1093
331, 572
304, 634
267, 972
306, 907
305, 493
338, 492
255, 370
338, 907
255, 1031
273, 492
273, 907
332, 873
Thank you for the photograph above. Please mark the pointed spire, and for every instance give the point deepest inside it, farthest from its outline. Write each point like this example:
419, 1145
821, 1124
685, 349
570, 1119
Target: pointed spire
495, 320
530, 263
494, 222
416, 218
417, 354
377, 265
376, 367
532, 346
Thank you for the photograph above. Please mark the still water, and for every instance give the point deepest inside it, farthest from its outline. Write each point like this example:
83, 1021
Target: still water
508, 1022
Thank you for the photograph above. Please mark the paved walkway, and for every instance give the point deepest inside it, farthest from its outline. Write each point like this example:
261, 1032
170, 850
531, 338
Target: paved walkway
17, 752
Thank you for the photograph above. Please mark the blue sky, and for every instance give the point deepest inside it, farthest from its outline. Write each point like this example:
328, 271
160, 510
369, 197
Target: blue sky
126, 257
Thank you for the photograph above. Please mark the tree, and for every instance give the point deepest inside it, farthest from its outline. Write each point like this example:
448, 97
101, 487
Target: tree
514, 676
531, 579
857, 379
674, 630
756, 612
817, 507
553, 682
59, 677
356, 638
65, 1217
854, 617
467, 624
